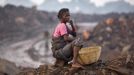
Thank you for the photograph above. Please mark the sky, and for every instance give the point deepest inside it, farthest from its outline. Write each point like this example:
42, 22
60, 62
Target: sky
87, 6
103, 2
96, 2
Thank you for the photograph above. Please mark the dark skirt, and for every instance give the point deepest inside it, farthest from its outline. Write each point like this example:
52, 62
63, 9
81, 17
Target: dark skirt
65, 53
61, 49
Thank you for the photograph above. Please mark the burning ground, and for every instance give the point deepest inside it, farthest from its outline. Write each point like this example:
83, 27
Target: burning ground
25, 43
117, 51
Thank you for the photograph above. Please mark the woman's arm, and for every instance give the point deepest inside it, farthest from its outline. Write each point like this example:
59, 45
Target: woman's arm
72, 25
64, 33
73, 33
67, 38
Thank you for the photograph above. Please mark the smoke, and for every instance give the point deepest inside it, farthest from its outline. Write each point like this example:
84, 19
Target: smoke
100, 3
37, 2
3, 2
62, 1
130, 1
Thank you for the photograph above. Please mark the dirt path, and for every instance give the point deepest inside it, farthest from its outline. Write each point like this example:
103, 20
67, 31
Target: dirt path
23, 53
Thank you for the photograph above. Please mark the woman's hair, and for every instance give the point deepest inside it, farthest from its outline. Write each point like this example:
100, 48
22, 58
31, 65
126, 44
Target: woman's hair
61, 12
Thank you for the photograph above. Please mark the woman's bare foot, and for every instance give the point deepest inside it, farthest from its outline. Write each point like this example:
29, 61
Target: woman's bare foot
77, 65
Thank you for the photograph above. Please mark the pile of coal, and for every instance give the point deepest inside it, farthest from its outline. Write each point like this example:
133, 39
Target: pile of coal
20, 23
117, 66
115, 34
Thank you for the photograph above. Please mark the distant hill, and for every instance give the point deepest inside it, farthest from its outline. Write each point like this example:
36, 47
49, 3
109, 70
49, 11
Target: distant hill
20, 22
25, 22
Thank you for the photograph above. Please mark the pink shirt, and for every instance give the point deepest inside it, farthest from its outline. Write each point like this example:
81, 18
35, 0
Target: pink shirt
60, 30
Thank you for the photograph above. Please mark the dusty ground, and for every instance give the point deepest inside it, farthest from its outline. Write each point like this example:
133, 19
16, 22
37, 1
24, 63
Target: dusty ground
122, 65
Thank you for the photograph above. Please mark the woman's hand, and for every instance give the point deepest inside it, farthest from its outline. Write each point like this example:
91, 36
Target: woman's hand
72, 25
71, 22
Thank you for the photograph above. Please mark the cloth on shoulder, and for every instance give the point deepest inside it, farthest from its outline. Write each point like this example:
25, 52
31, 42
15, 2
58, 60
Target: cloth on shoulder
80, 42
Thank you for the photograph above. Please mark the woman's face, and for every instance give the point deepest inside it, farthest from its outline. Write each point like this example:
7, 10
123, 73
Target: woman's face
66, 17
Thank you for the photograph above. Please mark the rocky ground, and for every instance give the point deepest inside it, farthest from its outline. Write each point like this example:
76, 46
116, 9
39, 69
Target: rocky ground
117, 58
116, 66
22, 44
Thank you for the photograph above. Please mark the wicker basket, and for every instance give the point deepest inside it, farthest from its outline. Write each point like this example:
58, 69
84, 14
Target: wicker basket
89, 55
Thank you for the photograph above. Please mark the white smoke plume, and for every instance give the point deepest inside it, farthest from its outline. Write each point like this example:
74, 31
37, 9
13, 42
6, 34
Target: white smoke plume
37, 2
3, 2
100, 3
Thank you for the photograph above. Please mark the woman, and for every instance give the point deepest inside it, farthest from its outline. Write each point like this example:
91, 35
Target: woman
61, 42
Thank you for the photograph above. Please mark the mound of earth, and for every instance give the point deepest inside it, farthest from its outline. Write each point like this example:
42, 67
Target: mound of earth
121, 65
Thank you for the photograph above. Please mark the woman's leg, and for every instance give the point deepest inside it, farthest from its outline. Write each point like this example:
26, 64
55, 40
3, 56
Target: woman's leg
75, 56
65, 54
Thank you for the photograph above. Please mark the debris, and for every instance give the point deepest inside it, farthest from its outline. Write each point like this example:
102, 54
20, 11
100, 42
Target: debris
113, 35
